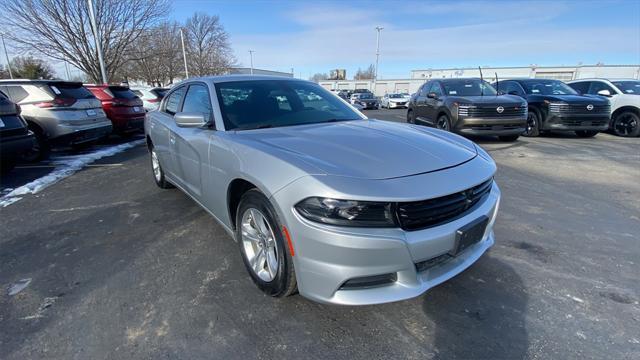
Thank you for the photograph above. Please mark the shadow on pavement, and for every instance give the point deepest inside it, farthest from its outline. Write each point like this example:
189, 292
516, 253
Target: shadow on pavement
480, 314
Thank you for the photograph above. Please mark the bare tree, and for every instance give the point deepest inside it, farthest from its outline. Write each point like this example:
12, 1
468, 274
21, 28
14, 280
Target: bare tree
4, 73
60, 29
207, 43
31, 68
366, 74
319, 77
156, 56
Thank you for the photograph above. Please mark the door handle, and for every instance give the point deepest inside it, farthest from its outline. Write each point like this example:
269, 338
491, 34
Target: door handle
172, 140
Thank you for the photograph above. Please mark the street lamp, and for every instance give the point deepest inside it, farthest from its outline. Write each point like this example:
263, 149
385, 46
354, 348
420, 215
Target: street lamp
7, 56
251, 57
378, 29
184, 55
96, 34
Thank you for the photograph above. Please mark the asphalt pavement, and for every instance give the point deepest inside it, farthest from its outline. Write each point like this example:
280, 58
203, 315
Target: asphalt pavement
120, 269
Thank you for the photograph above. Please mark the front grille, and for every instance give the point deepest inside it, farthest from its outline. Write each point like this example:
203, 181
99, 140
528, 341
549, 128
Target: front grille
423, 214
399, 103
579, 109
492, 111
486, 127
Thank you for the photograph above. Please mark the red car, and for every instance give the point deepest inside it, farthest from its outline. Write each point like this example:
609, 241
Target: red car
122, 106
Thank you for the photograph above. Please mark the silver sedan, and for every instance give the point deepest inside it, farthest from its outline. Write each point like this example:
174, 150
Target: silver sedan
320, 199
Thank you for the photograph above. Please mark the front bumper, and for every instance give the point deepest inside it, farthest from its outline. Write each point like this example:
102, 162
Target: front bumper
554, 121
395, 105
490, 126
326, 257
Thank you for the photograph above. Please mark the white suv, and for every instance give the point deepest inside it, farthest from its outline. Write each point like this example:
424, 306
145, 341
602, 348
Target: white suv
624, 96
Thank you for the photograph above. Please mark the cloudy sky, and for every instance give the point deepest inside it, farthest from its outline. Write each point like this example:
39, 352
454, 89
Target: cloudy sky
316, 36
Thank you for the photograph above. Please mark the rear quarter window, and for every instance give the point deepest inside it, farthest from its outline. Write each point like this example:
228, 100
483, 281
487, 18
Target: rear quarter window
122, 92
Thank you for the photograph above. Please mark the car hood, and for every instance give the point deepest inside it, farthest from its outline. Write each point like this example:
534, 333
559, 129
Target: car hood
573, 99
367, 149
489, 99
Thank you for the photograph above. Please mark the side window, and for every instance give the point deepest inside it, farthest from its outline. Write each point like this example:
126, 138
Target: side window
172, 105
16, 93
435, 88
424, 90
514, 88
581, 87
198, 100
597, 86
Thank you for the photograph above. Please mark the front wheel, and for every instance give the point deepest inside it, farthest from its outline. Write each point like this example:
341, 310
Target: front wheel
533, 124
626, 124
443, 123
158, 172
265, 252
586, 133
411, 117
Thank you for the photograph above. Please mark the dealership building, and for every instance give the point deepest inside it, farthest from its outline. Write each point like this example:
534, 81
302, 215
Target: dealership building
418, 77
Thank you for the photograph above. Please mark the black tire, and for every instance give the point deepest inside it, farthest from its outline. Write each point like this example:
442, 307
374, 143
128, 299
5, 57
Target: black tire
626, 124
158, 177
508, 138
411, 117
443, 123
41, 148
587, 133
532, 128
284, 283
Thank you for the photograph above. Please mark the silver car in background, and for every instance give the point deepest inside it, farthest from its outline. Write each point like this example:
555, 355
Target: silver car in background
58, 112
319, 198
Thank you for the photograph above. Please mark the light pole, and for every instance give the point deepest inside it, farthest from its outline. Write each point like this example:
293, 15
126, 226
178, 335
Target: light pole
375, 75
184, 55
96, 35
7, 56
251, 57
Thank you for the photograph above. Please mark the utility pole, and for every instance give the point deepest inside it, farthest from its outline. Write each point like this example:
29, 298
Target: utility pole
6, 54
184, 55
251, 56
96, 35
375, 75
66, 67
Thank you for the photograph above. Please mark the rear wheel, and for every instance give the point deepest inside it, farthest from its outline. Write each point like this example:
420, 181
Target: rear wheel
626, 124
443, 123
158, 172
40, 149
411, 117
586, 133
533, 124
508, 138
264, 250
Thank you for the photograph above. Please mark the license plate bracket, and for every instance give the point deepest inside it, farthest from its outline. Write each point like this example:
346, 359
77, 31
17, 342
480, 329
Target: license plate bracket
469, 234
92, 112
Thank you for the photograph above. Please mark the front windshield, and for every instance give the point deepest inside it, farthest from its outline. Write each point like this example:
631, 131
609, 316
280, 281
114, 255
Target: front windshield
395, 96
628, 87
468, 87
548, 87
273, 103
366, 96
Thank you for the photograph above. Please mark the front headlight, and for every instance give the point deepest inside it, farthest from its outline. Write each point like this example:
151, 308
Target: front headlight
347, 212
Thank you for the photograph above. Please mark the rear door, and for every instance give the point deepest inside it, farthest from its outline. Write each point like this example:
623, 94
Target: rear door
190, 145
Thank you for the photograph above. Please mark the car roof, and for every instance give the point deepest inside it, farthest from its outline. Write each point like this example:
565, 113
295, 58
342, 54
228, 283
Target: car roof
603, 79
239, 77
37, 81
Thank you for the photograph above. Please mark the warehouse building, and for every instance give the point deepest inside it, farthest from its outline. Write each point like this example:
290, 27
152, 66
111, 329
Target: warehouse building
418, 77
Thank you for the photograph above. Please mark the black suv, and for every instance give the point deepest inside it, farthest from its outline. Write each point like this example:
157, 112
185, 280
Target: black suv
554, 105
15, 137
468, 106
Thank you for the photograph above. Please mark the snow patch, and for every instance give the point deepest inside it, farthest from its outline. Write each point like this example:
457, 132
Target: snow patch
64, 166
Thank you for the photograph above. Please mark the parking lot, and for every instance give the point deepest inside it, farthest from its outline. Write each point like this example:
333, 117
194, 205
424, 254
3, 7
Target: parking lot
120, 269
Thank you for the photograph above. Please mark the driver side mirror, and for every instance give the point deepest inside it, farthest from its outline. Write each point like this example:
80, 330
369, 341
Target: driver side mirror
190, 119
432, 95
604, 92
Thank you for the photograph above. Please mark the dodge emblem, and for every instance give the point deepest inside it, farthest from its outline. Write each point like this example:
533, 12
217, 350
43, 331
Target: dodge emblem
500, 109
589, 107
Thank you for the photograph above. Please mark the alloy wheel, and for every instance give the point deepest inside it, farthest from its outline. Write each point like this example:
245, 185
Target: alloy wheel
155, 164
259, 244
443, 123
625, 124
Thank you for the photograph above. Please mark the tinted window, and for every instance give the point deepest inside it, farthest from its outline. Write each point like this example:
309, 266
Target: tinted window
581, 87
173, 101
598, 86
160, 93
2, 95
467, 87
273, 103
137, 92
435, 88
547, 87
628, 87
16, 93
70, 91
197, 100
424, 89
121, 92
395, 96
513, 88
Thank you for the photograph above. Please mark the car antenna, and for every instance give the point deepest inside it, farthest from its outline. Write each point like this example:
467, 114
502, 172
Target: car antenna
497, 84
481, 82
